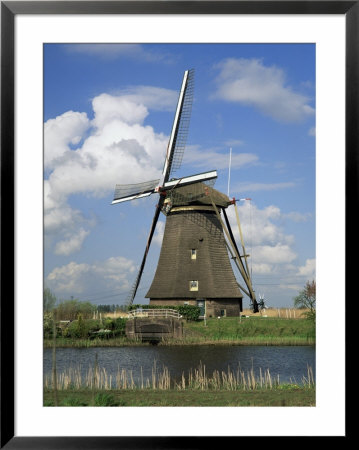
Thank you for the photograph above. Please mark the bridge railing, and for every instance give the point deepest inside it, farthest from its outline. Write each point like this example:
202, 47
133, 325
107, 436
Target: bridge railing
154, 313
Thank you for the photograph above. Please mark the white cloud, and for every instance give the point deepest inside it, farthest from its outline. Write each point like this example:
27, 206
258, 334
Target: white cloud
108, 109
270, 249
274, 254
297, 217
155, 98
85, 279
158, 237
72, 244
273, 259
62, 131
311, 131
259, 225
308, 270
119, 149
250, 82
262, 269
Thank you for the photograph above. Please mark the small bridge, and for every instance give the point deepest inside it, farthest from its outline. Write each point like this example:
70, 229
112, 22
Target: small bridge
154, 325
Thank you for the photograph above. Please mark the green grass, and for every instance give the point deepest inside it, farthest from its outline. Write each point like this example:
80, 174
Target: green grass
252, 331
227, 330
290, 396
81, 343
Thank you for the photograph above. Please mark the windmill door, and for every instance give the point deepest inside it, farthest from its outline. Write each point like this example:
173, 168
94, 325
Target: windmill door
202, 306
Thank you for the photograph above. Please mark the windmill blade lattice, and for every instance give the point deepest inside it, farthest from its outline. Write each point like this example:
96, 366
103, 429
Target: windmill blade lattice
131, 191
183, 126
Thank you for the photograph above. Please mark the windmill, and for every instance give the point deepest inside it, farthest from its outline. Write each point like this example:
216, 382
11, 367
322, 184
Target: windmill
262, 303
193, 267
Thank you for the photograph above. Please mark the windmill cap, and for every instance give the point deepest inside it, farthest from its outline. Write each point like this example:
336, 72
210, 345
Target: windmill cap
197, 194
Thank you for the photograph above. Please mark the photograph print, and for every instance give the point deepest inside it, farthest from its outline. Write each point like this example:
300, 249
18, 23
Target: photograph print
179, 224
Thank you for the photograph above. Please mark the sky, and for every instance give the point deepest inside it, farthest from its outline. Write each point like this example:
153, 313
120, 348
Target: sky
108, 113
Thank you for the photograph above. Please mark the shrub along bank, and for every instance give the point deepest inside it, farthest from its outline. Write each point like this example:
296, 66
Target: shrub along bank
85, 328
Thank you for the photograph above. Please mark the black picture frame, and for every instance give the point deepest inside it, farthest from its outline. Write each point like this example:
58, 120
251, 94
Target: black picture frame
9, 9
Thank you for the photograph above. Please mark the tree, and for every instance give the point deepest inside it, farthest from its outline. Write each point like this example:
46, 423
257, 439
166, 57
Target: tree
70, 309
49, 300
306, 297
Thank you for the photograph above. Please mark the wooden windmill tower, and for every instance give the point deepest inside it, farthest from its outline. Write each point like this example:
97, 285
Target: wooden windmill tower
194, 265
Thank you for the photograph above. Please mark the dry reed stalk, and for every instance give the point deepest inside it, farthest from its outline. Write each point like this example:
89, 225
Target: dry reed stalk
183, 381
124, 379
132, 384
154, 375
98, 378
118, 378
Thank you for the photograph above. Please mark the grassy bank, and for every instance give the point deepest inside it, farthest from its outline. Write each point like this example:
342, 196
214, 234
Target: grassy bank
287, 395
252, 331
82, 343
227, 330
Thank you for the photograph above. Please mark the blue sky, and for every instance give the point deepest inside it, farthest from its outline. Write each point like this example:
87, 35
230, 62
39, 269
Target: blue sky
108, 112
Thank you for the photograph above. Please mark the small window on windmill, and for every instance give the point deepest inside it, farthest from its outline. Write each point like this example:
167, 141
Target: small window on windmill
193, 285
193, 253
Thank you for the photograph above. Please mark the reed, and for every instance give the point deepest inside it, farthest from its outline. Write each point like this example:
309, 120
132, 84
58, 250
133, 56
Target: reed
96, 378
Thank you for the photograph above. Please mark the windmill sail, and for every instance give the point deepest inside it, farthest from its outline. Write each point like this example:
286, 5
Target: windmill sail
132, 293
124, 192
173, 161
178, 138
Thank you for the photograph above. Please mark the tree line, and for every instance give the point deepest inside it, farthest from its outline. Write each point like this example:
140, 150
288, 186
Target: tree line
70, 309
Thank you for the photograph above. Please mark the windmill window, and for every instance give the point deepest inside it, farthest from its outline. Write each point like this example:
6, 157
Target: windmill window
193, 253
193, 285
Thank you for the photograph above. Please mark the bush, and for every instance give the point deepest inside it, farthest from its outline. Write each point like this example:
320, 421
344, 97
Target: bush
49, 403
70, 309
72, 401
119, 326
48, 325
189, 312
103, 399
81, 328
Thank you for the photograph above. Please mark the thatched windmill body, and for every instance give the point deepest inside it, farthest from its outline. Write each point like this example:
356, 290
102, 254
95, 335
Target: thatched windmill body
194, 265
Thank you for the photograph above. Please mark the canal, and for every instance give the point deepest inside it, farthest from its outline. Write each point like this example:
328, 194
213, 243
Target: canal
288, 362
